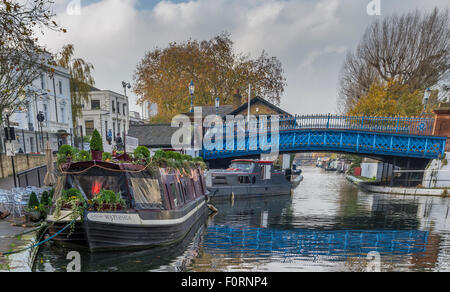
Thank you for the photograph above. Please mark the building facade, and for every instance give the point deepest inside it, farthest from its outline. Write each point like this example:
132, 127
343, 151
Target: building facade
50, 95
106, 111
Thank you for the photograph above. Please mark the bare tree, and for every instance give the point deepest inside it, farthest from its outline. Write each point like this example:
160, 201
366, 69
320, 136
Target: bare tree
412, 48
21, 58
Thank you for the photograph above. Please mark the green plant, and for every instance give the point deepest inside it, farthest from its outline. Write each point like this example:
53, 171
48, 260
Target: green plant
110, 198
33, 203
45, 198
83, 155
141, 152
72, 199
96, 143
66, 150
106, 156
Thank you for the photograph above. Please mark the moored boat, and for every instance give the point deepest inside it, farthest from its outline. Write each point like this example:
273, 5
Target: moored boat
246, 179
125, 206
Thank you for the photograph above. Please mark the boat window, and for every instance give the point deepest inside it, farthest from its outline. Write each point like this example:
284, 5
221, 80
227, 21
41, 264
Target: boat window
147, 193
219, 180
266, 171
244, 180
177, 199
94, 181
242, 166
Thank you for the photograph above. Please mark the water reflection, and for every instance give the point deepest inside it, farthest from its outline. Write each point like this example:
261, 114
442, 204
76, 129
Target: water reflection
326, 225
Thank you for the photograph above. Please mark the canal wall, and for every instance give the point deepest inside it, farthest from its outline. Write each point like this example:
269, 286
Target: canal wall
368, 187
16, 238
22, 162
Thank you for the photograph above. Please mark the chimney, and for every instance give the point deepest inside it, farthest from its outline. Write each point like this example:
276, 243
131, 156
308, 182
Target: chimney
237, 99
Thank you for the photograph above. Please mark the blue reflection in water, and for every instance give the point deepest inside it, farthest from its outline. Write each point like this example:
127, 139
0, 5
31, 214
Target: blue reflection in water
341, 243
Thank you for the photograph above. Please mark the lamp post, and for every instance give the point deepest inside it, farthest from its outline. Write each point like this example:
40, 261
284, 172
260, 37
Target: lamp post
41, 119
191, 92
217, 105
426, 98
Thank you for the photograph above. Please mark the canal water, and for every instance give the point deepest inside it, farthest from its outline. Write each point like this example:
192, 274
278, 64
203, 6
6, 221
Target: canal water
326, 225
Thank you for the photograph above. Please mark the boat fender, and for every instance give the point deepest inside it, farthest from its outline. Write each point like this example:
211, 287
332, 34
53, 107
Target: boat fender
212, 208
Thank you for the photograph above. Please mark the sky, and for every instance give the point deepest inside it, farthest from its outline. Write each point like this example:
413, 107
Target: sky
309, 37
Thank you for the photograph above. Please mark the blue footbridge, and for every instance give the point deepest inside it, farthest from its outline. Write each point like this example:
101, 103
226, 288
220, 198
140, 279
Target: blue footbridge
382, 138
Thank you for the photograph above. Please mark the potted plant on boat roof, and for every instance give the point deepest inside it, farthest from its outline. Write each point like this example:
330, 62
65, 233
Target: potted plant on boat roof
65, 154
108, 201
96, 145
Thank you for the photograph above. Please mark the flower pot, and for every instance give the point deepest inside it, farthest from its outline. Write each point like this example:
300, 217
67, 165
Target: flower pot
97, 155
34, 216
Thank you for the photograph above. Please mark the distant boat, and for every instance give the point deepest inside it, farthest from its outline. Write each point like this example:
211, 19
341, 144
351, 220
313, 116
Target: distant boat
247, 178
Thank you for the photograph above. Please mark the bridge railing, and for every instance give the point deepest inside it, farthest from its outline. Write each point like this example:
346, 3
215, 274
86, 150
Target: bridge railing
401, 125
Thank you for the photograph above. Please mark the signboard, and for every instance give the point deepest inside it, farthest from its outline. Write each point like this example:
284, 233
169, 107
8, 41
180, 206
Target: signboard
10, 148
131, 144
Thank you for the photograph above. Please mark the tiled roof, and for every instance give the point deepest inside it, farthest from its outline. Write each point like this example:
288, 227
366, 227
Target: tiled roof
153, 135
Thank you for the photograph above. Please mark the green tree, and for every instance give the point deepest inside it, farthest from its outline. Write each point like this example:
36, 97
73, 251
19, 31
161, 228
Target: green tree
81, 80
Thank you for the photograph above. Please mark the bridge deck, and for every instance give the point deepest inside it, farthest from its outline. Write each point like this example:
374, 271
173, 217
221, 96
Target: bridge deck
402, 137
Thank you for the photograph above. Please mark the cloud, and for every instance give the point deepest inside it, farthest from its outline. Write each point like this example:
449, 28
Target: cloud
309, 37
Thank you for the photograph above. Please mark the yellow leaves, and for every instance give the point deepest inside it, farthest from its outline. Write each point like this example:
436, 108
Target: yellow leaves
389, 99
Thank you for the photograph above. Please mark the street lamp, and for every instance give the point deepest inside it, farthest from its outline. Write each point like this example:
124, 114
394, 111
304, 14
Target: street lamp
217, 105
191, 92
426, 98
41, 118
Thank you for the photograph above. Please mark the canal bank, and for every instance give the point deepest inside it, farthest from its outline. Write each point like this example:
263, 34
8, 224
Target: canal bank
371, 188
15, 237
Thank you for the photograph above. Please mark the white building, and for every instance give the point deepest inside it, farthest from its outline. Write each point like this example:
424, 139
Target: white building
106, 111
49, 94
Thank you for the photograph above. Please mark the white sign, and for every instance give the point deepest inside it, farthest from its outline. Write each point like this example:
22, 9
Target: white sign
10, 148
132, 143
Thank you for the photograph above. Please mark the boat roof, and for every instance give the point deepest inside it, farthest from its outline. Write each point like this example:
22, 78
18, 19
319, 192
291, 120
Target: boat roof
252, 161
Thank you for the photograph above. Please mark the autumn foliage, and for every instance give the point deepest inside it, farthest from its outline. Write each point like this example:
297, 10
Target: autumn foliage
163, 75
389, 99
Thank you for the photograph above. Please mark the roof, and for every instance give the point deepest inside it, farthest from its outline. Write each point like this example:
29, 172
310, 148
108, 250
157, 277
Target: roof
261, 100
153, 135
223, 110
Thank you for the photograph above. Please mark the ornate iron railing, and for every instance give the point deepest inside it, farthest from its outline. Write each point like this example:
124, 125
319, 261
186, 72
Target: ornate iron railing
422, 126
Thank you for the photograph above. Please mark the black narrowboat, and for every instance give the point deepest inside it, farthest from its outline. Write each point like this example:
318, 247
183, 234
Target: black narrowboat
246, 179
160, 206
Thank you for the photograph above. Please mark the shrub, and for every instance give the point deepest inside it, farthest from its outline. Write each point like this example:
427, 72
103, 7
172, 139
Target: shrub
108, 197
96, 143
66, 150
72, 194
83, 155
141, 152
160, 154
33, 203
106, 156
45, 199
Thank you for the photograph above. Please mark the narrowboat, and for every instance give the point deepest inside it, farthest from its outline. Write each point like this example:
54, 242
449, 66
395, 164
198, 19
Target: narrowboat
247, 179
157, 206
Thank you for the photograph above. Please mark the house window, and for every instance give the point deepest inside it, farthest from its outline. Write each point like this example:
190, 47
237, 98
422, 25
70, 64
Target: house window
89, 126
125, 109
43, 81
95, 104
113, 107
114, 129
46, 112
63, 115
106, 128
60, 87
118, 127
118, 108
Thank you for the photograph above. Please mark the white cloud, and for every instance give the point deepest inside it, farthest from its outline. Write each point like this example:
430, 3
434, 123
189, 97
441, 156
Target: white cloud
309, 37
